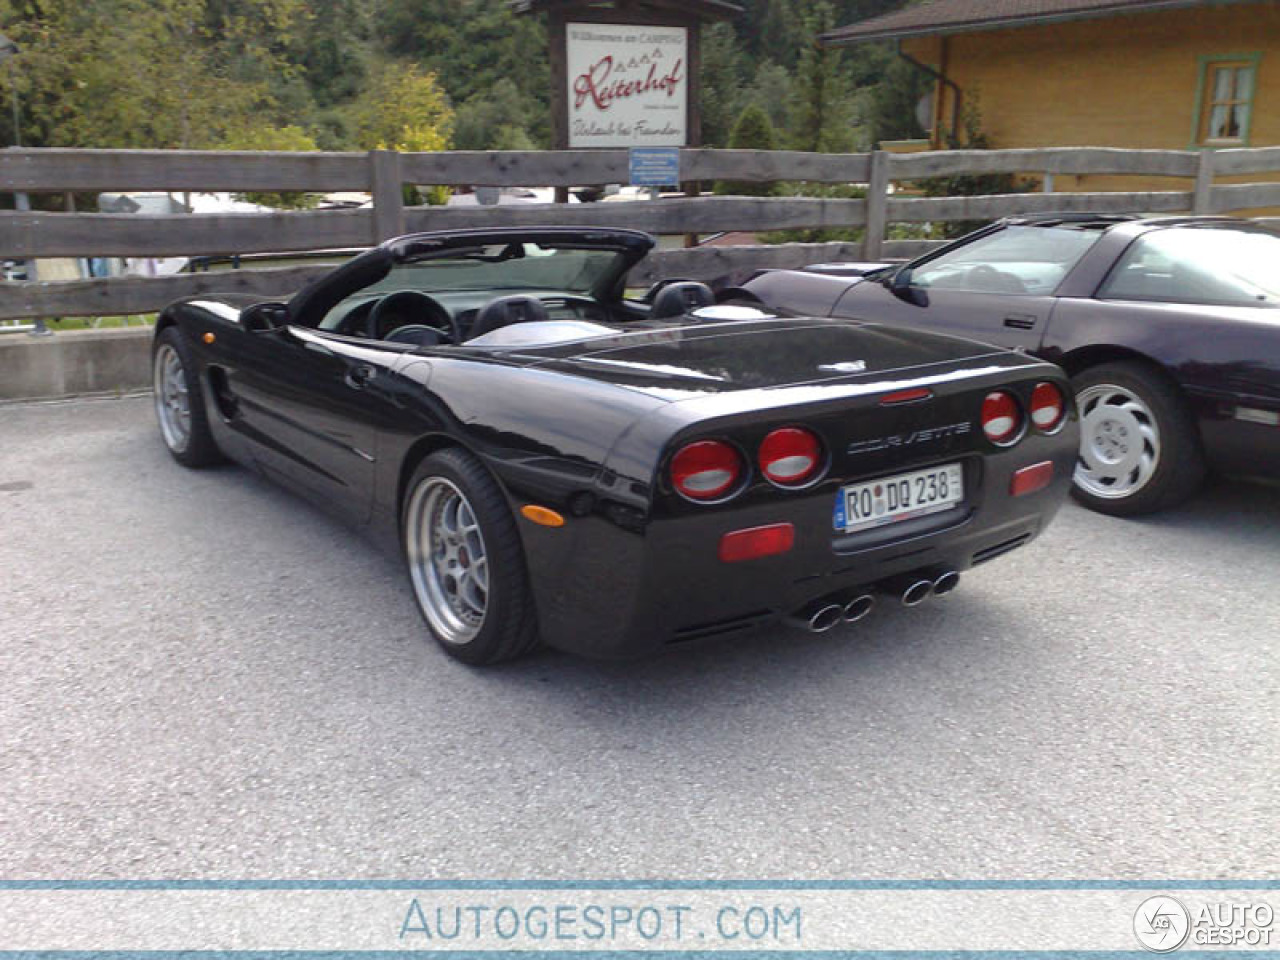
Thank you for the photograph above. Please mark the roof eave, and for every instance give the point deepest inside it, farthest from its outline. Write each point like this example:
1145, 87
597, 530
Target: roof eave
834, 38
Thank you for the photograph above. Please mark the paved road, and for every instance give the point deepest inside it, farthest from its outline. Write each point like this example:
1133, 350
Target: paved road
202, 677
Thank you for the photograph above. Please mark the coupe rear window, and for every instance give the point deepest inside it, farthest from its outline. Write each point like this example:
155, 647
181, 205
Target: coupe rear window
1018, 259
1189, 265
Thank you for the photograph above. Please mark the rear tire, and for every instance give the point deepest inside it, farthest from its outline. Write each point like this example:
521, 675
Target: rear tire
466, 561
179, 401
1139, 446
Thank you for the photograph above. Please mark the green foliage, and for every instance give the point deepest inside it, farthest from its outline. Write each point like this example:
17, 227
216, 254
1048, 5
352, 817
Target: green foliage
821, 94
404, 108
971, 137
753, 131
274, 138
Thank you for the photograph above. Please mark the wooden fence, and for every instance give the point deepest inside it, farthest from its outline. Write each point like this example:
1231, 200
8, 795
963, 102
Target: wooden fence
26, 234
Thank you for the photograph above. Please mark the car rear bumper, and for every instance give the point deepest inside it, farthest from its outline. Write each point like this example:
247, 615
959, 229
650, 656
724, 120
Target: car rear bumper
605, 591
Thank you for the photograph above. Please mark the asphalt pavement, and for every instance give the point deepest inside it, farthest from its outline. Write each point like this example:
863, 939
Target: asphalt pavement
203, 677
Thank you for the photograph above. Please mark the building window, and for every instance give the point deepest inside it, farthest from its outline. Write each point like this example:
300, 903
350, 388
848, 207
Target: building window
1225, 100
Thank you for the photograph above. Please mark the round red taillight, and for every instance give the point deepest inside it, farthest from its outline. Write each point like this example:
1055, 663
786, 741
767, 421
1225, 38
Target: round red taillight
1048, 408
706, 469
790, 456
1001, 418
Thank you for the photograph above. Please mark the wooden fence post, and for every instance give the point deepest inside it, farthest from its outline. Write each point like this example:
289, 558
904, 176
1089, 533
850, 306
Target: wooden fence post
877, 206
1202, 202
387, 189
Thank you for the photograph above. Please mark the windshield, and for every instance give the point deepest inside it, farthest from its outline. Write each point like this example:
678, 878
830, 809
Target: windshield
1017, 259
504, 267
1188, 265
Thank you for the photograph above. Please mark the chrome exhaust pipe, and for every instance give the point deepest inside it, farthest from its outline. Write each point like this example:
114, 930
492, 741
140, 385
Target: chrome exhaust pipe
817, 617
917, 593
911, 589
858, 607
945, 583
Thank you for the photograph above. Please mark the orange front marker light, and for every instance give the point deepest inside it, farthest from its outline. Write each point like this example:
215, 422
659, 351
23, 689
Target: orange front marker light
757, 542
1030, 479
208, 338
543, 516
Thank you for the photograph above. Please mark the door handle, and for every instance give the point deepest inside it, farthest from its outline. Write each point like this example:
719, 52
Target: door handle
1020, 321
358, 377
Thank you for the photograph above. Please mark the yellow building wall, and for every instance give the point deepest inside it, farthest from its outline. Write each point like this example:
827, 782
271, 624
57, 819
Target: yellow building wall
1120, 81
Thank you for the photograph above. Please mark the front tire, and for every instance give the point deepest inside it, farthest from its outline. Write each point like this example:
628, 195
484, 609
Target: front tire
465, 561
179, 402
1139, 447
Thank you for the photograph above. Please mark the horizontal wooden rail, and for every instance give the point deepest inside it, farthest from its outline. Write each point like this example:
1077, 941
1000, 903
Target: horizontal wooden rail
24, 235
1069, 160
1244, 196
133, 295
1256, 160
197, 171
929, 209
670, 216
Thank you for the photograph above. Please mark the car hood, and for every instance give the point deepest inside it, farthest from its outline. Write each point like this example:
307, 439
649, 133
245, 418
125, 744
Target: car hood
750, 355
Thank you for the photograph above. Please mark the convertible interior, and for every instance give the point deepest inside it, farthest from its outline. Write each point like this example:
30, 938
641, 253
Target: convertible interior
507, 294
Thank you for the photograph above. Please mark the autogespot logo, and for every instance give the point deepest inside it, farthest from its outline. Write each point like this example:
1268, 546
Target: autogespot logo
1161, 924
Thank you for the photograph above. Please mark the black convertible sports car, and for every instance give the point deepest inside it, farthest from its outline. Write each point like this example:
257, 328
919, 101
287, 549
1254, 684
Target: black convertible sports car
1168, 327
557, 461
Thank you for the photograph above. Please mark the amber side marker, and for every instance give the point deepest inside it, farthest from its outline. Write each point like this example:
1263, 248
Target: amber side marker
208, 338
542, 515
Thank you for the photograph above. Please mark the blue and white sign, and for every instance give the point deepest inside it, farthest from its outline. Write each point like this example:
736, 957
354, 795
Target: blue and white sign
655, 166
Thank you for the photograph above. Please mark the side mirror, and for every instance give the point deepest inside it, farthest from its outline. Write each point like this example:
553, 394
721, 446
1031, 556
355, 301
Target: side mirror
264, 317
899, 285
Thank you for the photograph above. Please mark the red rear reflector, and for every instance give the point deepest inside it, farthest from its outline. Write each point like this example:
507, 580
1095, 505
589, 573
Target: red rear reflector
1001, 418
1030, 479
706, 470
906, 396
1048, 408
757, 542
790, 456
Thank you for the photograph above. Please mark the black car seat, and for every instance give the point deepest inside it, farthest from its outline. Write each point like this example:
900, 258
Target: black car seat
677, 299
505, 311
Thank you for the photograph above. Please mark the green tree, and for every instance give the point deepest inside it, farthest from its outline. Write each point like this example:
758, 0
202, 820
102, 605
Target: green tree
405, 108
822, 98
753, 131
494, 120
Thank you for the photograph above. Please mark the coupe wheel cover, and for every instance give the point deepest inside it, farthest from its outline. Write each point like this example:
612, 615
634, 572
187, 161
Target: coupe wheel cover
447, 560
173, 401
1119, 442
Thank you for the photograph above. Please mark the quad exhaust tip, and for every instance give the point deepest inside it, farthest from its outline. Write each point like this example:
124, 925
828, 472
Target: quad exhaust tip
946, 583
917, 593
818, 617
858, 607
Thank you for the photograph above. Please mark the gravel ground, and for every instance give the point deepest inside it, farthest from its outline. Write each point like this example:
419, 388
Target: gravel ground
204, 677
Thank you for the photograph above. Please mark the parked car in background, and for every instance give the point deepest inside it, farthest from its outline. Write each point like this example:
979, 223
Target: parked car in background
556, 461
1168, 327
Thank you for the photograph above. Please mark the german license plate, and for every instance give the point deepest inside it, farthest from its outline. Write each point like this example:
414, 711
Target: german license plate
860, 506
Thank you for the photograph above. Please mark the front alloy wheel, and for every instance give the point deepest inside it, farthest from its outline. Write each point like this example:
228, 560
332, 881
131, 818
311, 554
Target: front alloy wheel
1139, 446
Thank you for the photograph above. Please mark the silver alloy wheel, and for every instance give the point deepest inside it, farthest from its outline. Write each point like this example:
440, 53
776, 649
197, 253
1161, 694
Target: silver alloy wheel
1119, 442
173, 401
447, 560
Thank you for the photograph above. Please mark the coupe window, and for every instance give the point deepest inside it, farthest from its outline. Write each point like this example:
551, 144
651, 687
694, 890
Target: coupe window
1017, 260
1223, 267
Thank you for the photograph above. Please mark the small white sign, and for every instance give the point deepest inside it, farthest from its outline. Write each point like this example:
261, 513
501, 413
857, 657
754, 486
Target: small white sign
628, 85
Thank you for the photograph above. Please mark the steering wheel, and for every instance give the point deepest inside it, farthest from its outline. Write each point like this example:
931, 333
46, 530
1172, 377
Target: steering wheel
411, 306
